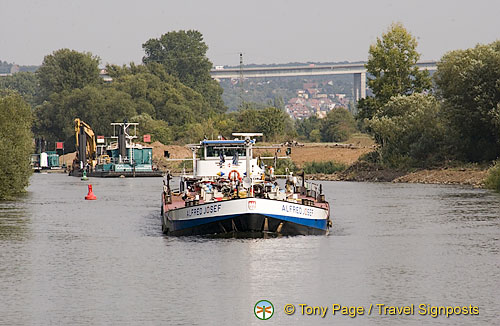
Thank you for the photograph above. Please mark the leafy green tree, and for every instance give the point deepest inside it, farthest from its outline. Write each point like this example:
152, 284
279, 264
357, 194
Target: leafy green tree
248, 119
392, 70
16, 144
469, 84
98, 107
183, 55
159, 94
5, 67
277, 102
65, 69
338, 125
25, 83
194, 132
158, 129
315, 136
409, 130
493, 179
272, 122
306, 126
225, 124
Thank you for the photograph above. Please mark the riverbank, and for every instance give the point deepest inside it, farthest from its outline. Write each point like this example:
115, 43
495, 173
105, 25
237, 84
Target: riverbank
347, 153
366, 172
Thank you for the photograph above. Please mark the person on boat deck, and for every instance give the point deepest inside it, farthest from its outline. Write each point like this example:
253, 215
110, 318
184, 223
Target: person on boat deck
290, 182
235, 159
271, 172
222, 160
186, 194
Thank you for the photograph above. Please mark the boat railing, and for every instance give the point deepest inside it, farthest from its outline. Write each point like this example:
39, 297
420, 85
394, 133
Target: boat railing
314, 190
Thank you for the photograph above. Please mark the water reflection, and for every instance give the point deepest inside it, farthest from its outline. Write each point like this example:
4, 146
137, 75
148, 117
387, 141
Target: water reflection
14, 222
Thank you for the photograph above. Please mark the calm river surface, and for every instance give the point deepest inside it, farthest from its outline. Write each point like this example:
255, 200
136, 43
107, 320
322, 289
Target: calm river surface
67, 261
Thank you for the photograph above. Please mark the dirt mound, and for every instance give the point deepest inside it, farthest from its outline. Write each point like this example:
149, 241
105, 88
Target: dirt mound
463, 176
67, 159
175, 151
364, 171
344, 154
340, 153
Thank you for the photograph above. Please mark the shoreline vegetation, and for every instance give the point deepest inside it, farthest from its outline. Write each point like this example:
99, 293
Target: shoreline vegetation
348, 156
412, 127
345, 155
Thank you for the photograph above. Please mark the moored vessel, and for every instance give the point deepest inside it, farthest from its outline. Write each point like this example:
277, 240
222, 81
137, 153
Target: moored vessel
121, 157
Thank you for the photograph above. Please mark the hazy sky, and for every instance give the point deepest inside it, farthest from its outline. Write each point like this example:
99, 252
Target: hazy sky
271, 31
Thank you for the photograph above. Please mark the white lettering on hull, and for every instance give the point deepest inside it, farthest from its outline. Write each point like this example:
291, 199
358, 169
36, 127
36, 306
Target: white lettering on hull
252, 205
296, 209
203, 210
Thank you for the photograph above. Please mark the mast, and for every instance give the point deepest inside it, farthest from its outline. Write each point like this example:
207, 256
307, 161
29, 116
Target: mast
194, 161
241, 80
248, 155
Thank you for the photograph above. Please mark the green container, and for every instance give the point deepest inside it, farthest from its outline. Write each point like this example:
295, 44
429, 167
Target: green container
52, 160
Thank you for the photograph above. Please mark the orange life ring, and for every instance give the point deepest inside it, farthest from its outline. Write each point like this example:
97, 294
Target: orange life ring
234, 173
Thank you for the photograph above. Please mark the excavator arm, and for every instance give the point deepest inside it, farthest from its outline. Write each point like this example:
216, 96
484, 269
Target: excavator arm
86, 146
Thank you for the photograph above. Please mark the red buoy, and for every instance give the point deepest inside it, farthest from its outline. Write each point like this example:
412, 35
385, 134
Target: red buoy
90, 195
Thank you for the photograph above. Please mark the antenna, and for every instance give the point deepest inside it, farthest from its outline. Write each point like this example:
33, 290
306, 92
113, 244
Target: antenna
241, 79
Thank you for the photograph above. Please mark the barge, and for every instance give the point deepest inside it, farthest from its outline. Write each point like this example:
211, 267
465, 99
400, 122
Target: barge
231, 192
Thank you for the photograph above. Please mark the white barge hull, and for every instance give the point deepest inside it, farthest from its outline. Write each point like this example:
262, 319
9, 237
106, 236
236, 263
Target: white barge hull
246, 215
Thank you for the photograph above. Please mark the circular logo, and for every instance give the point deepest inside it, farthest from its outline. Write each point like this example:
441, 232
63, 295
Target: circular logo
263, 309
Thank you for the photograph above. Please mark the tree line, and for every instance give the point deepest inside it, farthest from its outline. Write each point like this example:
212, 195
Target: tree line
171, 94
418, 121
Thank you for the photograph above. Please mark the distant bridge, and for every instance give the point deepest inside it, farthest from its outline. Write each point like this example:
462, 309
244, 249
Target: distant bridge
357, 69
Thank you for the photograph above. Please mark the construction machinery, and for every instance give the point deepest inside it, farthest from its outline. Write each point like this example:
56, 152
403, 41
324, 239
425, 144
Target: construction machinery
86, 147
119, 158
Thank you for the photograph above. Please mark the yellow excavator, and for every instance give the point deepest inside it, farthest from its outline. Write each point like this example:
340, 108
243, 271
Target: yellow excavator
86, 147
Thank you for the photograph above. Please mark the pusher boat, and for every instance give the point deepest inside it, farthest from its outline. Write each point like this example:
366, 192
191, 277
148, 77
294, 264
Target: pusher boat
230, 192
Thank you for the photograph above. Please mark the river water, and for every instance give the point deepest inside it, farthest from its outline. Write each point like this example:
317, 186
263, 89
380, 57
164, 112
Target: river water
67, 261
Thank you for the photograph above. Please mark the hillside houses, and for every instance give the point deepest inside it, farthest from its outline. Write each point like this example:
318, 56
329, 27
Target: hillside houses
312, 101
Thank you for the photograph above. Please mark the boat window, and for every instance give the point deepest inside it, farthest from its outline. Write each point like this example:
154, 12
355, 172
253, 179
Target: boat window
215, 151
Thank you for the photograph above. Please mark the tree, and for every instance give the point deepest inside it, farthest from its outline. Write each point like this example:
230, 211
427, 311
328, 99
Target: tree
409, 130
337, 126
25, 83
274, 123
158, 129
392, 69
305, 128
15, 144
469, 84
159, 94
65, 70
493, 179
183, 55
98, 107
315, 136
